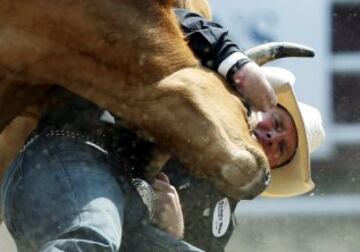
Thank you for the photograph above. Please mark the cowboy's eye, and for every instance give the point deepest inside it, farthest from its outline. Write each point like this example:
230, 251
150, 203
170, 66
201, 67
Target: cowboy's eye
276, 122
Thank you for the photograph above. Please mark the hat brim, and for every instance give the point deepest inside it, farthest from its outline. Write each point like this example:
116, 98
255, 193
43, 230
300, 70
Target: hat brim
294, 178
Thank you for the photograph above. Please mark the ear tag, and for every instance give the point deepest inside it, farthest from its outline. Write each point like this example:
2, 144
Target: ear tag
221, 218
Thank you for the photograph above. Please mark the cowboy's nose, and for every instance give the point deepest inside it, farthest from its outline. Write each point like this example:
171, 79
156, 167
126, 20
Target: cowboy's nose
269, 139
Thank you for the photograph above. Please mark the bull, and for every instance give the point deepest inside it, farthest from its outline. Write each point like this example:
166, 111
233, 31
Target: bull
142, 72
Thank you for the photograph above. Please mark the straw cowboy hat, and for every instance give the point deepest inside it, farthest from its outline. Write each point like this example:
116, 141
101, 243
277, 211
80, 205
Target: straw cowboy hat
294, 178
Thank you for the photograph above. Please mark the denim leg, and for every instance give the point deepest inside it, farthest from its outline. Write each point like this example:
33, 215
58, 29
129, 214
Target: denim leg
61, 195
147, 238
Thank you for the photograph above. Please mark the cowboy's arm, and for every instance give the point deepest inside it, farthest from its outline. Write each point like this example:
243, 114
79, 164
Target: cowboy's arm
211, 43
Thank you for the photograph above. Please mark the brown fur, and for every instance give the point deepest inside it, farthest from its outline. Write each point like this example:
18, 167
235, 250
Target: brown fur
130, 57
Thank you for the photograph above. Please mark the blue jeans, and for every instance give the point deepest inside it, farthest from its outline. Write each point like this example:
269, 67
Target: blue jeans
61, 194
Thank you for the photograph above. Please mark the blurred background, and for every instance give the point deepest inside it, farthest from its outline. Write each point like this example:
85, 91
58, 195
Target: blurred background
328, 219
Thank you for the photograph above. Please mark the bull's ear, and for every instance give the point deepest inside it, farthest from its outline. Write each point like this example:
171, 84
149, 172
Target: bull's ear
248, 178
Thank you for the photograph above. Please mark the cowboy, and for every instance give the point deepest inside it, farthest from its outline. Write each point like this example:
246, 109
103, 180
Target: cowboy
69, 156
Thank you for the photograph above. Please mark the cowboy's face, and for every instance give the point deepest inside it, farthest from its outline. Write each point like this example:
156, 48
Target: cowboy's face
276, 132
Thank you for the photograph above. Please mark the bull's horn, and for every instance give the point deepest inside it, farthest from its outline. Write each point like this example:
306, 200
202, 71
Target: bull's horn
276, 50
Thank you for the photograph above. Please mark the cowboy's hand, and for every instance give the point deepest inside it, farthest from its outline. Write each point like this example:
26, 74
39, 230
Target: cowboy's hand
168, 214
252, 85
